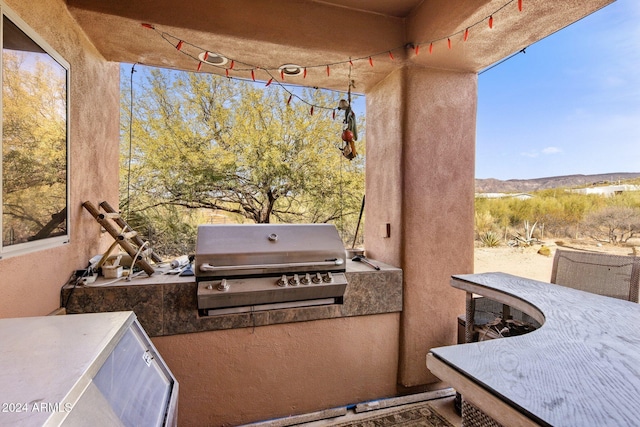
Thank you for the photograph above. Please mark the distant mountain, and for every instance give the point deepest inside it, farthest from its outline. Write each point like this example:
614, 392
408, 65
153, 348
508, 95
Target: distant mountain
491, 185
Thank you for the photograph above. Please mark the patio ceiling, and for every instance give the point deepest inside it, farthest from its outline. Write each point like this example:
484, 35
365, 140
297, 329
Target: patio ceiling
265, 34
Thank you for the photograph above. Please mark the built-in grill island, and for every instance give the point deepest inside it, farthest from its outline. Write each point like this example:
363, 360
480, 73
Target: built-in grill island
242, 268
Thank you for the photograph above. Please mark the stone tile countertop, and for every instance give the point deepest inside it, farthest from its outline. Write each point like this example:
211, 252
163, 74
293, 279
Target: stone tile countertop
166, 304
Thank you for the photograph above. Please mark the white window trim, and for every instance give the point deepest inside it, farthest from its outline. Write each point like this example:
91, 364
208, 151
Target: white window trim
51, 242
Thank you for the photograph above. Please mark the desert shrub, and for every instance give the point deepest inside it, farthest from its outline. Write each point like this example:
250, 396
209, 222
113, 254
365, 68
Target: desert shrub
490, 239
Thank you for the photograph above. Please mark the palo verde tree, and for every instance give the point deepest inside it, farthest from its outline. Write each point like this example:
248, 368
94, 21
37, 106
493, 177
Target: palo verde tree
204, 142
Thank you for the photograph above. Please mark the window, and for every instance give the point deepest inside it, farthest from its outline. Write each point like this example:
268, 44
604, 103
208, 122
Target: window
35, 118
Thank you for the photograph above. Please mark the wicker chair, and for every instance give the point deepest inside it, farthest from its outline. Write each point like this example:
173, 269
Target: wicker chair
616, 276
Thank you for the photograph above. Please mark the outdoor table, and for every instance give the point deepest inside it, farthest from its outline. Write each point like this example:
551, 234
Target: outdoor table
580, 368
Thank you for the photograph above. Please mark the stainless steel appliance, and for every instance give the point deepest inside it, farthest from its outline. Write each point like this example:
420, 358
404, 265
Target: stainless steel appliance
264, 266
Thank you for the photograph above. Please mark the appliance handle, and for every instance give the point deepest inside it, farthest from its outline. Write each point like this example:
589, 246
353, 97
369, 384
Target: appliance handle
331, 262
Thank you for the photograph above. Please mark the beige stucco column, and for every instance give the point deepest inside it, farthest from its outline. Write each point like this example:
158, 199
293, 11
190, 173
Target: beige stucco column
420, 192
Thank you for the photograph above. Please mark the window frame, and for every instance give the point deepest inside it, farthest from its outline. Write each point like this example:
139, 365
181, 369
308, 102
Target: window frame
49, 242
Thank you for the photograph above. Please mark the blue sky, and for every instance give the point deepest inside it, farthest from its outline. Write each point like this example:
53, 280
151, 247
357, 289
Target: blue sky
569, 105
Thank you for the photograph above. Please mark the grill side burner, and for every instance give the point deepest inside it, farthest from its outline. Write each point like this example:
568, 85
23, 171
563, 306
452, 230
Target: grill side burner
264, 264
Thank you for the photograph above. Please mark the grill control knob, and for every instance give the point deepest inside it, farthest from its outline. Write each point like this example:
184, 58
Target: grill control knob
223, 286
294, 281
317, 278
328, 278
282, 282
306, 279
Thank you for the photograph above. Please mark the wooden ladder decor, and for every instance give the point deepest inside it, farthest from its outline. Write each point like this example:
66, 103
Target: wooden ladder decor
123, 235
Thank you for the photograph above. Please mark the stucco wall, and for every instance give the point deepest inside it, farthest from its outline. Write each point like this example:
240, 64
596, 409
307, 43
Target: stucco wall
420, 179
237, 376
30, 284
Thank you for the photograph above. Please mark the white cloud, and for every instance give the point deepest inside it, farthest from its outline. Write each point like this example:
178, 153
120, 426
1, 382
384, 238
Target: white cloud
551, 150
531, 154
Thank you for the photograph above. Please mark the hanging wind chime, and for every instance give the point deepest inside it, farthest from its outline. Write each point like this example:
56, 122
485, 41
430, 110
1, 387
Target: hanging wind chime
349, 127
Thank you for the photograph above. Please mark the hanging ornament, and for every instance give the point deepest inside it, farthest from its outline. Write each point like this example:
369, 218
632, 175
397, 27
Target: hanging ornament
349, 129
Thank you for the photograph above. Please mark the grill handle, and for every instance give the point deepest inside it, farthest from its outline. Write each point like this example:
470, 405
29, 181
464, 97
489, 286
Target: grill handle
209, 267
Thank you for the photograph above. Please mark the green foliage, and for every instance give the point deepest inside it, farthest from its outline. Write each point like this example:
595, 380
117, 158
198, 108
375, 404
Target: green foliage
206, 143
490, 239
561, 213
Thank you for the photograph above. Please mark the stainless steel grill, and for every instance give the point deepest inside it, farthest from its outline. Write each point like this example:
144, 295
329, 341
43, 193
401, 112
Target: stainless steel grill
263, 266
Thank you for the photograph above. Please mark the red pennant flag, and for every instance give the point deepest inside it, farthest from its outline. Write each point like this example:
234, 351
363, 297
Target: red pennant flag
333, 115
466, 34
206, 56
269, 82
233, 63
391, 56
282, 74
491, 21
520, 5
350, 62
449, 43
199, 65
371, 61
253, 76
417, 49
179, 46
289, 100
430, 47
304, 73
328, 72
149, 26
312, 110
226, 71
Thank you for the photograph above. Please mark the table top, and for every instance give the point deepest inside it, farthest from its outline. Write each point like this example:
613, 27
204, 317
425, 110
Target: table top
580, 368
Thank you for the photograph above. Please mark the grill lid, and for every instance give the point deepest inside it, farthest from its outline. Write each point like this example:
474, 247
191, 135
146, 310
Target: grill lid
267, 249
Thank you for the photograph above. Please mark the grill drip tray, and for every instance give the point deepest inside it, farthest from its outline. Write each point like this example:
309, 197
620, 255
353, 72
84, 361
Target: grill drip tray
305, 288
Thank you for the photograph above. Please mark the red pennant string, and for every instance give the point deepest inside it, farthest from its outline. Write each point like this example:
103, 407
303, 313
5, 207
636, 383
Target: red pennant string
430, 47
179, 46
449, 43
417, 49
520, 5
491, 21
149, 26
371, 61
311, 110
328, 72
199, 65
289, 100
304, 73
253, 76
466, 34
233, 63
391, 56
269, 82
